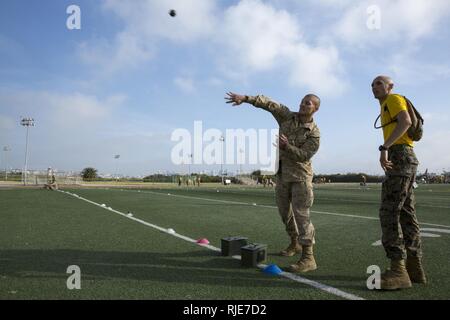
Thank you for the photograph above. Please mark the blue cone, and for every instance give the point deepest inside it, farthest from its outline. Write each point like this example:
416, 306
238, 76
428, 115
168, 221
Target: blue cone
272, 269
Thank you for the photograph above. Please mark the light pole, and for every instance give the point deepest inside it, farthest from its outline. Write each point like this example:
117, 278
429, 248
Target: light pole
117, 156
222, 139
5, 150
189, 164
26, 122
240, 167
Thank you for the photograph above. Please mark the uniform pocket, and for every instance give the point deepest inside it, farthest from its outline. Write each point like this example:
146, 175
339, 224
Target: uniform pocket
308, 193
403, 161
412, 159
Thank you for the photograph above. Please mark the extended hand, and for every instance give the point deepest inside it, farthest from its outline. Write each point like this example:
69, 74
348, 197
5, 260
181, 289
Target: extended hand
234, 98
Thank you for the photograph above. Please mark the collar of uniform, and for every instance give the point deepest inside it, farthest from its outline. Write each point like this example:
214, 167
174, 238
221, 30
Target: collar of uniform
298, 123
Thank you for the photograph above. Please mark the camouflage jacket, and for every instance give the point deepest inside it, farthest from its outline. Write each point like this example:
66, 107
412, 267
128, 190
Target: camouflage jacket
304, 140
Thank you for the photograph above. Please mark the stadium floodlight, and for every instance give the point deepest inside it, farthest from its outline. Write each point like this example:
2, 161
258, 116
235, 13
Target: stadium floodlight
5, 150
242, 160
117, 156
189, 163
222, 139
26, 122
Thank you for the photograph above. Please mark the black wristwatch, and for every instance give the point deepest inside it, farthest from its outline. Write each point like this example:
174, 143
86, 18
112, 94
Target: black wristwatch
382, 148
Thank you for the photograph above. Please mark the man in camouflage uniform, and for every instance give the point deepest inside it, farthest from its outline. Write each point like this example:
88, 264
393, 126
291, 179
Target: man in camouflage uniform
51, 180
299, 140
400, 228
363, 180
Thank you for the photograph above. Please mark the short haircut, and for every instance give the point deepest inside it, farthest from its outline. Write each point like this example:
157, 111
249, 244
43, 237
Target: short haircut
385, 79
311, 95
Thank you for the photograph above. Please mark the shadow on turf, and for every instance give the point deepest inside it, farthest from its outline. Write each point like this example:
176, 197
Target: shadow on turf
167, 267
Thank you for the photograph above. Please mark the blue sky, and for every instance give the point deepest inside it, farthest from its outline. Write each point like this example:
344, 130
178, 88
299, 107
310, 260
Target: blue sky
132, 75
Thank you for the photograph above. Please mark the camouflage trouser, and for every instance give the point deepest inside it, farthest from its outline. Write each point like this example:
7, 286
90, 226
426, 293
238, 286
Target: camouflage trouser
399, 225
294, 200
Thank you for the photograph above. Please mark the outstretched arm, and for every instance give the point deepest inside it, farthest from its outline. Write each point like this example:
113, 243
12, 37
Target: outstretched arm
279, 111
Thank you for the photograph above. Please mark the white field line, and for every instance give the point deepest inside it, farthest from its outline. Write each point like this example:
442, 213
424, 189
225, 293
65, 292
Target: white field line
369, 201
142, 221
288, 275
364, 201
274, 207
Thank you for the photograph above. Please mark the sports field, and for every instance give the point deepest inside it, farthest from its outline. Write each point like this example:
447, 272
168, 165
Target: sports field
128, 257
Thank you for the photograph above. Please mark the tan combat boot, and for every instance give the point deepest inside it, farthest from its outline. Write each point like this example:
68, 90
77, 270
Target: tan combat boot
306, 262
292, 249
395, 278
415, 270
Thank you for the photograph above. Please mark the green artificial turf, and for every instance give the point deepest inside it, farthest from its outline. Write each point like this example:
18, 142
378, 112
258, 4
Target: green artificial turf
43, 232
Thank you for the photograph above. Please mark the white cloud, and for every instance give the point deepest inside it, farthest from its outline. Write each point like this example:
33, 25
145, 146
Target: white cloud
146, 23
405, 69
261, 38
61, 110
257, 34
149, 18
185, 84
249, 37
318, 69
79, 106
76, 130
401, 20
125, 51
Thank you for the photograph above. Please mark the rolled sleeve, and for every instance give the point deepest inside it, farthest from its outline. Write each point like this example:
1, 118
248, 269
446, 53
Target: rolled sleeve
279, 111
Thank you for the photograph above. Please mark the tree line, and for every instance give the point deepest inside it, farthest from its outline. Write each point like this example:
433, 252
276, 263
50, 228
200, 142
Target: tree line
91, 174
